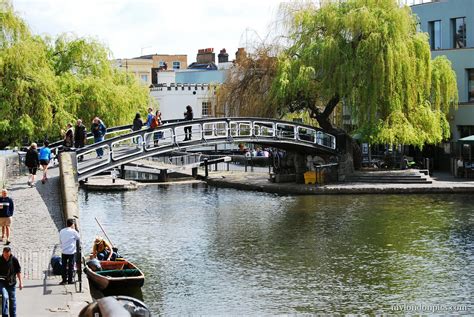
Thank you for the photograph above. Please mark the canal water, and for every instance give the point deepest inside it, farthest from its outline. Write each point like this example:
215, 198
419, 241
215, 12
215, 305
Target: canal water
214, 251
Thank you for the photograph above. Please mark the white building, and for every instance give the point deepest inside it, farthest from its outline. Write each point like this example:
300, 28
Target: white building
173, 99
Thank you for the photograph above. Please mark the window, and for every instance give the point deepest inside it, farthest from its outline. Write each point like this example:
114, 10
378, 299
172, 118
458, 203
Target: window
206, 108
176, 65
144, 78
162, 63
470, 84
459, 32
434, 30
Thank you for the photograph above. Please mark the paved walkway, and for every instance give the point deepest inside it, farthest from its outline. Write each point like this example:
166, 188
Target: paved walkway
441, 183
35, 238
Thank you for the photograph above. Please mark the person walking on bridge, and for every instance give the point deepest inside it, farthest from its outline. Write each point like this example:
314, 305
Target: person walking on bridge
137, 126
68, 141
98, 131
137, 122
149, 117
6, 213
155, 123
188, 116
80, 136
68, 238
10, 270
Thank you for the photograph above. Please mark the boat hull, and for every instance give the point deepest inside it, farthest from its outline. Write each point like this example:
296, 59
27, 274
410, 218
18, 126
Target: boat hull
125, 277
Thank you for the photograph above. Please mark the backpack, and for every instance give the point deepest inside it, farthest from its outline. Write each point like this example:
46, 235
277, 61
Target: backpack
154, 122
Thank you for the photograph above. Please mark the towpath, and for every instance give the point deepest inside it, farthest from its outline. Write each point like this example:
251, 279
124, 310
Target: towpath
35, 238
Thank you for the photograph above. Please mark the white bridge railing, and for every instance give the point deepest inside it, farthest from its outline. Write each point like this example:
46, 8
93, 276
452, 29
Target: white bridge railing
168, 137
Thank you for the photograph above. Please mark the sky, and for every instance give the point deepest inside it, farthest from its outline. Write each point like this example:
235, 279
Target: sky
131, 28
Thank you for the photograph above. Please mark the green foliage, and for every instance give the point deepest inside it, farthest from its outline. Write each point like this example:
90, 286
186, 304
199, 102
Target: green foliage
368, 54
46, 84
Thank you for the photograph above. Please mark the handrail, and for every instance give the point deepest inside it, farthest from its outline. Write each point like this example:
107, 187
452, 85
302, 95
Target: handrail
207, 131
198, 121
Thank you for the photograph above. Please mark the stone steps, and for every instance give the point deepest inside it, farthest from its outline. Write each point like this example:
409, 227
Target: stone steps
394, 177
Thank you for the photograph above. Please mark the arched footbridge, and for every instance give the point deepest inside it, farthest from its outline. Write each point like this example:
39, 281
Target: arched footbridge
132, 146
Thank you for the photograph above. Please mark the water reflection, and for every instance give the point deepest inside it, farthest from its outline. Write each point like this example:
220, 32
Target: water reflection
215, 251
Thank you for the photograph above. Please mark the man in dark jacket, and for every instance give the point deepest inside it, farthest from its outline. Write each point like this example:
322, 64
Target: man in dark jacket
6, 213
80, 136
188, 116
32, 162
10, 270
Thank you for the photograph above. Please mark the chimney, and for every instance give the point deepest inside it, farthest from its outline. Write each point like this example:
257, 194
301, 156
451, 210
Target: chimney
240, 54
223, 57
206, 56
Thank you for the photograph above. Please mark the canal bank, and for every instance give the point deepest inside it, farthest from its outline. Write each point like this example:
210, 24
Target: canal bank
37, 219
440, 183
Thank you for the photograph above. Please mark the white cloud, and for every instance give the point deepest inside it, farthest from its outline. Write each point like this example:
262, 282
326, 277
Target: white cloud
130, 27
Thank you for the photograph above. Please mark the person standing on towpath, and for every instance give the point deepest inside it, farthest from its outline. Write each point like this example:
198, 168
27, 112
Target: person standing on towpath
68, 238
6, 212
45, 158
32, 162
10, 270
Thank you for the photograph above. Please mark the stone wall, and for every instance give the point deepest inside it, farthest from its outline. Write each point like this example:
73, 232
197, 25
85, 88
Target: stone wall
9, 167
69, 186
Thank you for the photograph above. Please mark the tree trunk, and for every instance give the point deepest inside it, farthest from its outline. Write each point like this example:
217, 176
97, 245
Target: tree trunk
323, 117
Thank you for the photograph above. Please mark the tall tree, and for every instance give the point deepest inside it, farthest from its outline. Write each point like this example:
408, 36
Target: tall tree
368, 55
45, 83
28, 90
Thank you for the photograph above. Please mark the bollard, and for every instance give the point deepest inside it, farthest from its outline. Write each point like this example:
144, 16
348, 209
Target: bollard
206, 168
122, 171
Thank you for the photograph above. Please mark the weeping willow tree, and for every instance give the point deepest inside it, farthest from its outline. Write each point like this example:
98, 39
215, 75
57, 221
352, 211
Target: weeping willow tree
90, 86
368, 55
28, 91
46, 83
246, 91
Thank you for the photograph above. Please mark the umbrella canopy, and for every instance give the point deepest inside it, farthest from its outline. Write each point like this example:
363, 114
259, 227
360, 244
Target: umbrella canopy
467, 140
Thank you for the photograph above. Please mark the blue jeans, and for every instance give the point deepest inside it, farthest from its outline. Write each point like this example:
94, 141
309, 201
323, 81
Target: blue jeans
100, 152
8, 299
102, 256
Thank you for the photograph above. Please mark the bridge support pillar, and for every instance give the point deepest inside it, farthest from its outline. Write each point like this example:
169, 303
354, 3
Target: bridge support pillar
300, 167
122, 171
163, 176
194, 172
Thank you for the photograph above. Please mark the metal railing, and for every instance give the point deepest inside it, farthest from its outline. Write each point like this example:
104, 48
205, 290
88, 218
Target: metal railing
174, 136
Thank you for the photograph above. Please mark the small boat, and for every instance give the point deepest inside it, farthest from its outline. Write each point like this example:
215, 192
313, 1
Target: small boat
115, 275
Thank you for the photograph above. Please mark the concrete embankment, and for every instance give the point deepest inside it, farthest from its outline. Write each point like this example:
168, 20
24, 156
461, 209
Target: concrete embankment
35, 239
441, 183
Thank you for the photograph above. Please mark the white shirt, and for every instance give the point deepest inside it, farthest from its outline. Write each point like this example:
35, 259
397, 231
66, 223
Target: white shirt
68, 238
